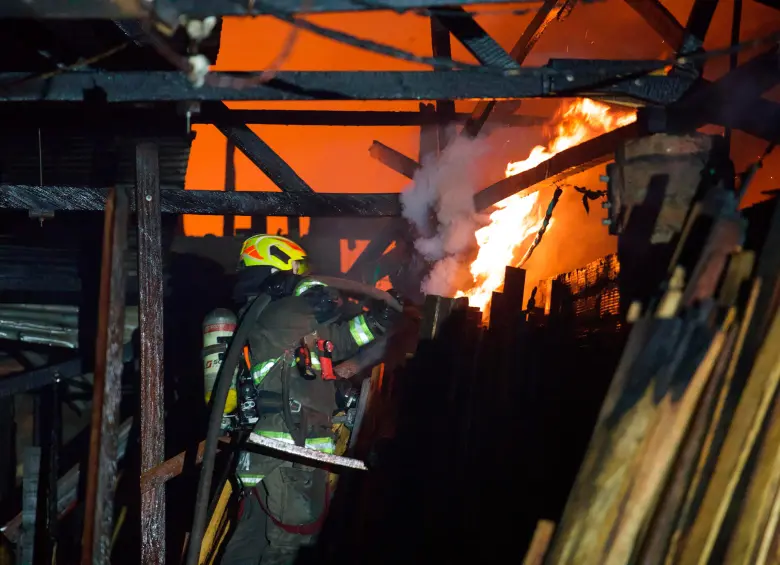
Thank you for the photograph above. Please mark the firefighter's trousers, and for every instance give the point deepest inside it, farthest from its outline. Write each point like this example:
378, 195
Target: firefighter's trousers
278, 516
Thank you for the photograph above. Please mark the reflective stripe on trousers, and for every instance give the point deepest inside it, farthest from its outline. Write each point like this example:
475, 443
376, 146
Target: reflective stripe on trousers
322, 444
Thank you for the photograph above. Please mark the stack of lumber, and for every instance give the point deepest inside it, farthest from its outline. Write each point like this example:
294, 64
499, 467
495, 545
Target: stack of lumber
684, 462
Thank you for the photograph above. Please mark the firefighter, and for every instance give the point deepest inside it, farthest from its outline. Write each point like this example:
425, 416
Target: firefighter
283, 504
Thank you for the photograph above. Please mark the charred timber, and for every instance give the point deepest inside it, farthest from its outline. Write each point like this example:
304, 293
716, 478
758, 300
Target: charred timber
393, 159
700, 19
103, 452
559, 78
715, 102
51, 198
571, 161
661, 20
476, 40
544, 16
135, 9
38, 378
150, 284
261, 155
165, 118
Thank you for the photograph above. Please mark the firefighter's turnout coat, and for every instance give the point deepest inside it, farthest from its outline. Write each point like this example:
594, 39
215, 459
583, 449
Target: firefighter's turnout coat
286, 502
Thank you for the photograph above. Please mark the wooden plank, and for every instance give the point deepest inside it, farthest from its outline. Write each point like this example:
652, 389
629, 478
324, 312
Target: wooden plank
539, 543
661, 528
103, 452
718, 423
632, 450
150, 306
742, 435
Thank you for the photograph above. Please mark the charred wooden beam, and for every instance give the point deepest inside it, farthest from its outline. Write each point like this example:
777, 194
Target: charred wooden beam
734, 98
375, 249
165, 118
546, 14
396, 160
135, 9
700, 19
50, 198
45, 376
101, 477
150, 307
430, 136
445, 109
264, 158
566, 163
476, 40
228, 220
661, 20
355, 118
558, 78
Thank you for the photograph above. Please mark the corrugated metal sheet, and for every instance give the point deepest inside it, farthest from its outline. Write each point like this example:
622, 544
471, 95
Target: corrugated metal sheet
83, 161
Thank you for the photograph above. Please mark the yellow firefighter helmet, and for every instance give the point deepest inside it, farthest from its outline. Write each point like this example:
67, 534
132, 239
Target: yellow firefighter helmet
273, 251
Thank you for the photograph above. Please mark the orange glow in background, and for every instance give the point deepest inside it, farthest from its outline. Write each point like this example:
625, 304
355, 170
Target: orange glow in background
336, 159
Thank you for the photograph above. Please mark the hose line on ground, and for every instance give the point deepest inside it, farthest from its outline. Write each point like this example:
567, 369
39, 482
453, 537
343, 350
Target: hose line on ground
224, 379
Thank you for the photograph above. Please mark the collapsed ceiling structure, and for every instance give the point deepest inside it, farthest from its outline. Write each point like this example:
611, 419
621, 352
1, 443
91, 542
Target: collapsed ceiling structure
119, 85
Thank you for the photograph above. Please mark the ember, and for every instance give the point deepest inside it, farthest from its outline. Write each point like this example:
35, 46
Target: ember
518, 217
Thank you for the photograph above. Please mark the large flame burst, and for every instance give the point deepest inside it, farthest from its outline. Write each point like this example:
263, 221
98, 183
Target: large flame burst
518, 217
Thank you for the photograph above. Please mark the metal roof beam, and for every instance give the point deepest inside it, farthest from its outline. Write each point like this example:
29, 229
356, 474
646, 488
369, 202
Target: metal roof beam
560, 78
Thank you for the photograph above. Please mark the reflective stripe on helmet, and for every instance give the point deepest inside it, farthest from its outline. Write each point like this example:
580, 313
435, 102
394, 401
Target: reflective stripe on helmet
271, 251
360, 332
306, 285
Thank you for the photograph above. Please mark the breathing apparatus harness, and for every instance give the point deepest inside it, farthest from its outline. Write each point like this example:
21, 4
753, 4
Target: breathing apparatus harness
228, 364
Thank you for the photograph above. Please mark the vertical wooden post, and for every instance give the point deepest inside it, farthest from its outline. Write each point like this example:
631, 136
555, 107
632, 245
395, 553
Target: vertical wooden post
229, 222
445, 109
150, 309
101, 473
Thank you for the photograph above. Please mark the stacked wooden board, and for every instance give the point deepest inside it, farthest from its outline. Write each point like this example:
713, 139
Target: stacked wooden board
684, 462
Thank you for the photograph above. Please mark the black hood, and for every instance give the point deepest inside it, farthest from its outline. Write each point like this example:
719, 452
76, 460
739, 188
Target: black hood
254, 281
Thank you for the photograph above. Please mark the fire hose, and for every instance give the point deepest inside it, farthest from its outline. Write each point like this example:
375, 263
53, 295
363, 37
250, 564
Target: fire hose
224, 377
219, 398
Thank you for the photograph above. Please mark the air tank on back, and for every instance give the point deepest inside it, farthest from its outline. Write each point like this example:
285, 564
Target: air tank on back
218, 328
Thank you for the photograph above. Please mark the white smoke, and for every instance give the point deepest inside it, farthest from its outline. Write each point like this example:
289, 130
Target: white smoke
445, 186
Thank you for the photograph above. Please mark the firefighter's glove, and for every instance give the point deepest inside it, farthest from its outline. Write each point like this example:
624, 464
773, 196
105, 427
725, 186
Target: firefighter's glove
325, 302
382, 315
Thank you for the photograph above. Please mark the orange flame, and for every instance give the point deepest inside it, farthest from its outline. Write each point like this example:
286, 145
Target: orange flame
519, 217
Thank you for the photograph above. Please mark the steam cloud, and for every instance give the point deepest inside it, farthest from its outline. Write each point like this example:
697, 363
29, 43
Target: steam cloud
445, 186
